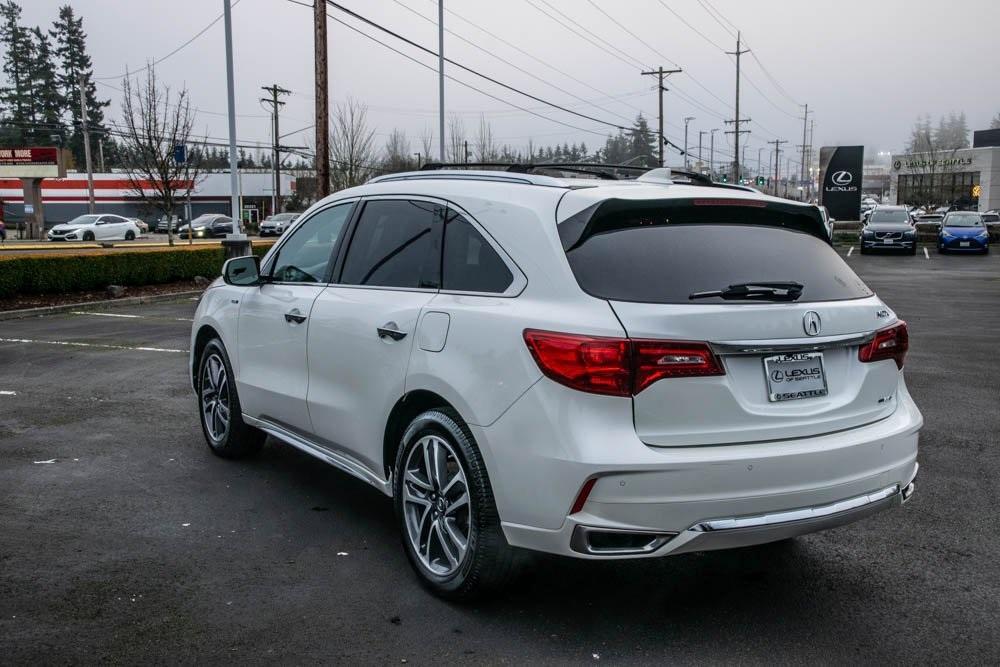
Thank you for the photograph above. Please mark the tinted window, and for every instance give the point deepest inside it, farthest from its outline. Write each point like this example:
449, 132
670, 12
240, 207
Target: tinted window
305, 257
470, 263
665, 264
397, 243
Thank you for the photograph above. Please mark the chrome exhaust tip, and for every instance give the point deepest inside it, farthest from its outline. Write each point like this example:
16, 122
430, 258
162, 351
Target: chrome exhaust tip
907, 491
617, 542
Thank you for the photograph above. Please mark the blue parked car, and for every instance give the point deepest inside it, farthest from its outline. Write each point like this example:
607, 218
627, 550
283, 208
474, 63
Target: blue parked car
963, 231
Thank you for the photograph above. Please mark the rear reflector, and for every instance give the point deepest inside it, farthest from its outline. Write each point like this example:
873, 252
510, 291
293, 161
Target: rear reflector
753, 203
581, 498
891, 343
617, 366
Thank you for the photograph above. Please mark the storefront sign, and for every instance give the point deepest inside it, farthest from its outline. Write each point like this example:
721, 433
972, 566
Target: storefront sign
840, 169
932, 164
31, 162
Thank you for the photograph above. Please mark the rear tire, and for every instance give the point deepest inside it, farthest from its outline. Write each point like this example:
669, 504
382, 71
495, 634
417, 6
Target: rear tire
221, 419
130, 235
437, 458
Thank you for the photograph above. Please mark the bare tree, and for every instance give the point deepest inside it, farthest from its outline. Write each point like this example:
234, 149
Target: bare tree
486, 147
352, 145
427, 144
397, 152
153, 122
456, 139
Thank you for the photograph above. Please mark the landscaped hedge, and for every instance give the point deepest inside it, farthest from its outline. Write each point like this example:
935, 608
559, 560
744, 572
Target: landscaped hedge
49, 274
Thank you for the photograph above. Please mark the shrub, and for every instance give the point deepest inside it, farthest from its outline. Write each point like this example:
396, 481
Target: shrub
48, 274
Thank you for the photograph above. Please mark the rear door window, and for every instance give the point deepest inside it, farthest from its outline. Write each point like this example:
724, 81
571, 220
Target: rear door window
397, 243
470, 262
651, 258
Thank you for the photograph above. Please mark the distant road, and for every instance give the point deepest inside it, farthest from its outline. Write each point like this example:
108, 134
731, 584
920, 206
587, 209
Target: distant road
14, 247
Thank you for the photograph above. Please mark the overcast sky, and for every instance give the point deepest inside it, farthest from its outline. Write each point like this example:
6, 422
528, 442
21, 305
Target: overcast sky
867, 68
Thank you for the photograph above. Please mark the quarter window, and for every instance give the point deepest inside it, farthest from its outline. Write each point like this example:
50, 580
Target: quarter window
397, 243
470, 263
306, 256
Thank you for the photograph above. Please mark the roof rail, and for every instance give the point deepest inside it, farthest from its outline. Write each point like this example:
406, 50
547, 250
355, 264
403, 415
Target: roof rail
604, 171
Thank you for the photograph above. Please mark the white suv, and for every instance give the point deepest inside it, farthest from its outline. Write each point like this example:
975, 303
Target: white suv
597, 369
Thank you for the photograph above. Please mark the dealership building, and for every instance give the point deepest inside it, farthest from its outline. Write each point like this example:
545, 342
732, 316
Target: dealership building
65, 198
968, 177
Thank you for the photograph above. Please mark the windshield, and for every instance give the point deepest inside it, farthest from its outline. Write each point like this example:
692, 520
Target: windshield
963, 220
890, 215
83, 220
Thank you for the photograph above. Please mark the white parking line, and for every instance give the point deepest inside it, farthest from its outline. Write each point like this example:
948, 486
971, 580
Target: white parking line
926, 255
7, 392
131, 317
84, 312
850, 251
95, 345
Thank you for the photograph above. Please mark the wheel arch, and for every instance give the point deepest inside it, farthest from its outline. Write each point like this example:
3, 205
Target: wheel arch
205, 333
403, 412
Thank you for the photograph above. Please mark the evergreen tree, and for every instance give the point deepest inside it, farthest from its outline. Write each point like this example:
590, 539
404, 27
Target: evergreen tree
49, 103
15, 97
74, 63
995, 123
643, 143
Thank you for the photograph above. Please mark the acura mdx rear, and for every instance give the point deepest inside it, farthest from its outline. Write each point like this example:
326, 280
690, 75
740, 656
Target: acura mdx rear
746, 386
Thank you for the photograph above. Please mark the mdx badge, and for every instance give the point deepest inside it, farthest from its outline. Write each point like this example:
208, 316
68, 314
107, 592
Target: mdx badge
811, 323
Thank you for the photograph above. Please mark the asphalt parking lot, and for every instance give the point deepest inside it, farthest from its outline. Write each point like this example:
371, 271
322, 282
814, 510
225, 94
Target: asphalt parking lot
122, 539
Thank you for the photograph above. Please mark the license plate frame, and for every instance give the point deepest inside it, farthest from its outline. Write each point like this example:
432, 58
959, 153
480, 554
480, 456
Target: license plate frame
963, 244
793, 376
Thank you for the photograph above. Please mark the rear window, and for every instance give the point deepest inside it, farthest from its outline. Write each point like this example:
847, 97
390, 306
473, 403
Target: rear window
653, 262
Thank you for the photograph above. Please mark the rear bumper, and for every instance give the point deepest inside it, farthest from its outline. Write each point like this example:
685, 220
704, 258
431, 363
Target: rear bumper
685, 498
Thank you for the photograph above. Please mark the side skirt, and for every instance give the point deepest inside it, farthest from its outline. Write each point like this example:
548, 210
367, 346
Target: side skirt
336, 459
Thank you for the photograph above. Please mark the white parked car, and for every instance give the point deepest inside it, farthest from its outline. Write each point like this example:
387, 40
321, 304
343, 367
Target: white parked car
275, 225
95, 227
597, 369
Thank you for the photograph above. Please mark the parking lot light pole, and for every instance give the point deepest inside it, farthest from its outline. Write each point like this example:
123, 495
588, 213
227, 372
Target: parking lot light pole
234, 183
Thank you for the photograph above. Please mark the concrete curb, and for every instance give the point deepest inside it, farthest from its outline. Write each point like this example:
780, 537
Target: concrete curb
95, 305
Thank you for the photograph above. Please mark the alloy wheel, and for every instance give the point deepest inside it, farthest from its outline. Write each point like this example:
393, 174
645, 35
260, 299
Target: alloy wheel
436, 505
215, 398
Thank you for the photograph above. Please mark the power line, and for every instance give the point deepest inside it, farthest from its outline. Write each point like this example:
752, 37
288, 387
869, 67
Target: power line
160, 60
210, 113
691, 27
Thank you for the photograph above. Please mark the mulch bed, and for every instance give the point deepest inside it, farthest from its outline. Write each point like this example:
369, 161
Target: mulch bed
41, 300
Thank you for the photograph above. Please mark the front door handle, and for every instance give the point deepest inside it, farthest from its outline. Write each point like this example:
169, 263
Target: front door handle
390, 330
294, 316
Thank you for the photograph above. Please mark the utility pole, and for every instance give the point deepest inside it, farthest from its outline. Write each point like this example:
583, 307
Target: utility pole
440, 77
758, 159
688, 119
100, 152
736, 131
659, 72
711, 152
234, 176
777, 150
418, 160
701, 162
322, 101
465, 151
86, 145
275, 91
805, 123
812, 133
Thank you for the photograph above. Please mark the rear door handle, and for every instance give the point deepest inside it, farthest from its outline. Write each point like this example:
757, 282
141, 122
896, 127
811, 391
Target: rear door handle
295, 316
390, 330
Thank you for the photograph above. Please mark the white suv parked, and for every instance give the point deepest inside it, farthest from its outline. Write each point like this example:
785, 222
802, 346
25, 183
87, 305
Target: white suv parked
598, 369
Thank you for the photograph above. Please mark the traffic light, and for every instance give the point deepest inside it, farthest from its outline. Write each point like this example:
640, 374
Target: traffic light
761, 181
724, 178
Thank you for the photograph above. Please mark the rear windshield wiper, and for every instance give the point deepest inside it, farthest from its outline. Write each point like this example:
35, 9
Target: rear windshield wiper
788, 291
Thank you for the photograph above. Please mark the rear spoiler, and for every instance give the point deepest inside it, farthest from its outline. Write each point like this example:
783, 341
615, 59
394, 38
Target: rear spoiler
611, 214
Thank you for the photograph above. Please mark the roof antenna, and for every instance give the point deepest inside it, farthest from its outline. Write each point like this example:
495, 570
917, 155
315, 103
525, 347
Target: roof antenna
658, 176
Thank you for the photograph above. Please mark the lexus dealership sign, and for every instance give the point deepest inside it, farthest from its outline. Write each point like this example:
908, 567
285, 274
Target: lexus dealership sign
840, 172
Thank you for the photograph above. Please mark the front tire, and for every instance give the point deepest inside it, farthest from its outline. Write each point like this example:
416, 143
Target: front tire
446, 511
88, 236
130, 235
222, 422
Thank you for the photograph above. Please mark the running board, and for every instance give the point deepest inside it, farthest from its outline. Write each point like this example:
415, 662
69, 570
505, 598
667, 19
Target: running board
337, 460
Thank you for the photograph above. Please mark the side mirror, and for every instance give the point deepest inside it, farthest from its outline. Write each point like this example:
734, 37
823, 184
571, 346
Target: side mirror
242, 271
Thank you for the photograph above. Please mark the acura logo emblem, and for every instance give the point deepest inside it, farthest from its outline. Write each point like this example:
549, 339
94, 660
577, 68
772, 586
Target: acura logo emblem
841, 178
812, 323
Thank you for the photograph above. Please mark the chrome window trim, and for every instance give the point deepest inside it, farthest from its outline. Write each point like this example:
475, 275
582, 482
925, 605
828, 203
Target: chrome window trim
738, 347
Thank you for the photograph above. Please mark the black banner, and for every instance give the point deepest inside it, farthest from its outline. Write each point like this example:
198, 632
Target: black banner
840, 174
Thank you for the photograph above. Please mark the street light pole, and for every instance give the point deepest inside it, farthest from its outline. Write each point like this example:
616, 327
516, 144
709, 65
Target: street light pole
711, 159
441, 77
701, 162
687, 119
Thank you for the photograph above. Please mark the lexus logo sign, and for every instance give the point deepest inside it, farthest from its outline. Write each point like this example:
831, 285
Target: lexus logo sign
811, 323
841, 178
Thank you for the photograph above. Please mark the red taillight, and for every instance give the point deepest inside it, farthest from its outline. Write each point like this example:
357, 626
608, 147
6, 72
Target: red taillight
617, 366
588, 363
891, 343
654, 360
